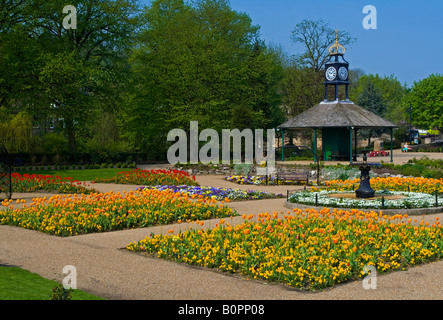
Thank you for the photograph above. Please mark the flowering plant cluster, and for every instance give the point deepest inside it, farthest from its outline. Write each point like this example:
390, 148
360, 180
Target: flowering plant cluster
151, 177
410, 184
219, 193
381, 153
67, 215
257, 180
35, 182
306, 249
324, 198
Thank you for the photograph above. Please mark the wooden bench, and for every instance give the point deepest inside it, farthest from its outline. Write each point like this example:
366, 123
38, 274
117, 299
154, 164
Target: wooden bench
293, 176
337, 156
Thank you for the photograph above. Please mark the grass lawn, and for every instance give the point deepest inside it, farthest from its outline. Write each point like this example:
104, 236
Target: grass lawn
82, 174
19, 284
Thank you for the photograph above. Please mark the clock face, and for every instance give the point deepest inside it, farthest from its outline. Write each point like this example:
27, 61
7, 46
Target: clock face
331, 73
343, 73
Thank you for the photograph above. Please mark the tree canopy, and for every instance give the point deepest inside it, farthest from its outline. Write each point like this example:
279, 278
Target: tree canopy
380, 94
64, 72
127, 75
204, 62
426, 102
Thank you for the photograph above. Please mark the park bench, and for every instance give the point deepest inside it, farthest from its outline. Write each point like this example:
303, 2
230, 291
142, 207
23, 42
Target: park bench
337, 156
292, 176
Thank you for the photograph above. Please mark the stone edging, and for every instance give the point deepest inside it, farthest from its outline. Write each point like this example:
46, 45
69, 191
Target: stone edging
411, 212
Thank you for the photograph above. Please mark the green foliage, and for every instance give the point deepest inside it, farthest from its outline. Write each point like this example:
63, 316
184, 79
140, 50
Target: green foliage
242, 169
198, 61
106, 142
426, 161
302, 88
381, 95
15, 132
61, 293
70, 73
54, 143
371, 99
423, 167
426, 100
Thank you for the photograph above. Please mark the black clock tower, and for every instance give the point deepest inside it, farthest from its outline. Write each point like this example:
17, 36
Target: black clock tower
336, 71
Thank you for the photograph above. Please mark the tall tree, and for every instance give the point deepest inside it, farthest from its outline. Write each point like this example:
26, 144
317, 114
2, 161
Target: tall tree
199, 61
72, 70
18, 53
315, 38
387, 91
371, 98
426, 101
302, 88
264, 72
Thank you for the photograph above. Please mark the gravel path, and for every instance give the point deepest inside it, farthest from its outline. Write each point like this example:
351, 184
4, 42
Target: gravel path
104, 268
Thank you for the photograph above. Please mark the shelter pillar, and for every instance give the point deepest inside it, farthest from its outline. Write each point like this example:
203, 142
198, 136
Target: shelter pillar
315, 144
392, 145
283, 145
350, 145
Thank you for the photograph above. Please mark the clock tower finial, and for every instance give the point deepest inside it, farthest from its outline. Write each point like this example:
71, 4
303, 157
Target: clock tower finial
336, 48
336, 72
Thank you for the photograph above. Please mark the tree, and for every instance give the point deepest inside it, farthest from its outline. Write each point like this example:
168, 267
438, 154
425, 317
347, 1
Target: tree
198, 61
66, 81
426, 100
371, 98
316, 37
264, 73
15, 136
69, 72
354, 77
302, 89
386, 94
15, 132
18, 53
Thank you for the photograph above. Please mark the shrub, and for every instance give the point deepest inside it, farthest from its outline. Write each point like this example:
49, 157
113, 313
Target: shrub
61, 293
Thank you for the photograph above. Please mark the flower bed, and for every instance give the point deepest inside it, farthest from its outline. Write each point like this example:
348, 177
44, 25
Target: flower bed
306, 250
219, 193
410, 200
412, 184
257, 180
151, 177
69, 215
381, 153
36, 182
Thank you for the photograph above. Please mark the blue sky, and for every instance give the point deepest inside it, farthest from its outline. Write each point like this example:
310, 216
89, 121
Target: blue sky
408, 41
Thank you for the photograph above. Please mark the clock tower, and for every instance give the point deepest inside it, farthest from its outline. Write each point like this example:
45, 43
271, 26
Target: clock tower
336, 71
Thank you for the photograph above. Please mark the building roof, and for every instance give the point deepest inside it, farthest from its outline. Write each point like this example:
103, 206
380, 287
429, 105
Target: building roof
333, 114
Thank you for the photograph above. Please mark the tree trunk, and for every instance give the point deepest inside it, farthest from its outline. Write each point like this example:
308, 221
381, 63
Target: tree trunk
72, 142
